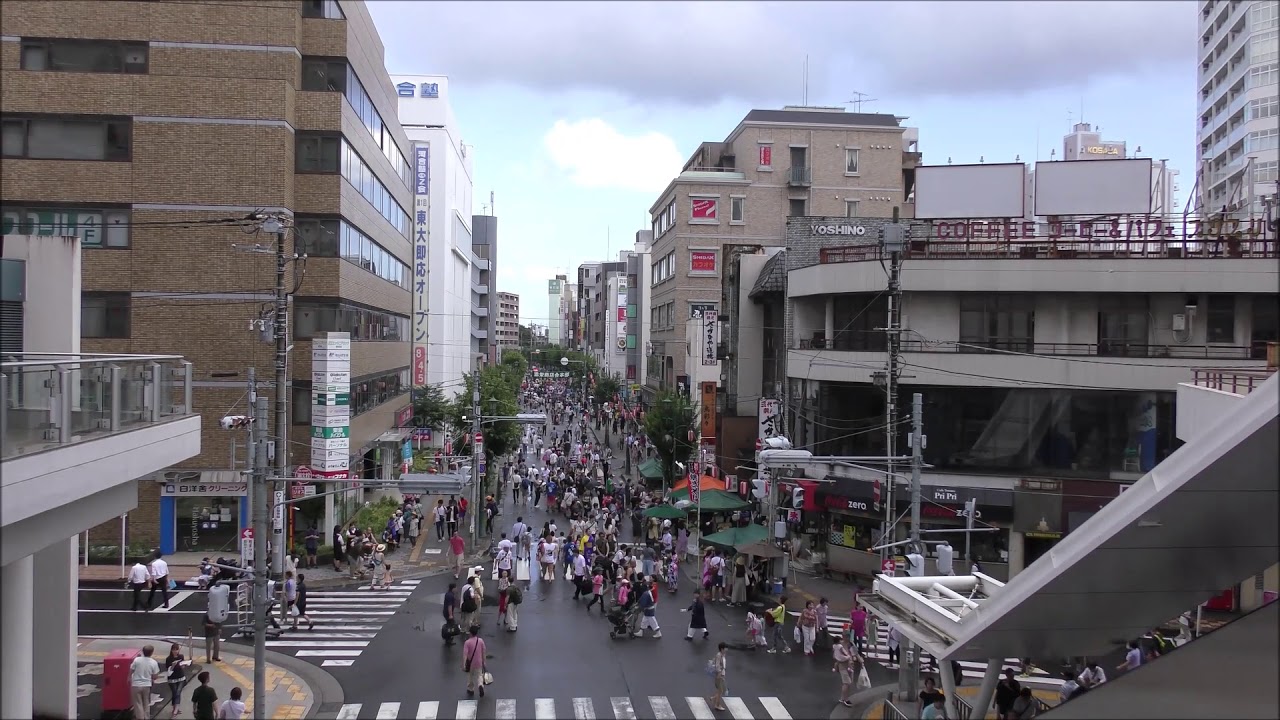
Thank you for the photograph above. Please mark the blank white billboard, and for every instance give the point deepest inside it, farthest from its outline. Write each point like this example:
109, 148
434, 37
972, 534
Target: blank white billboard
958, 192
1093, 187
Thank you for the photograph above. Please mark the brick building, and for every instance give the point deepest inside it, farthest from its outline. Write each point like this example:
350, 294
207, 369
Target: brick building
140, 126
807, 161
508, 325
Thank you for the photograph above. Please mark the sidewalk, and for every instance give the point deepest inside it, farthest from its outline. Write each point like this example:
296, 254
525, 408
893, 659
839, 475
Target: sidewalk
290, 695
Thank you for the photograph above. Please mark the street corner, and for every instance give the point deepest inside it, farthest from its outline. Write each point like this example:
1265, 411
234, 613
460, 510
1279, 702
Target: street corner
289, 695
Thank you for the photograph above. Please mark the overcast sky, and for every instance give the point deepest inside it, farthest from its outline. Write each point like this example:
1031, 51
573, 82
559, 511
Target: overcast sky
581, 112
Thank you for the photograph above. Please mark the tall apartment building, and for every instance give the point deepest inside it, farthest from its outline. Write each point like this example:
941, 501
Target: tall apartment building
508, 324
736, 195
443, 317
557, 323
595, 303
638, 268
147, 129
484, 296
1239, 110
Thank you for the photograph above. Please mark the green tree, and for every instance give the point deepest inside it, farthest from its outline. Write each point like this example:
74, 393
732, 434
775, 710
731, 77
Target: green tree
668, 423
607, 386
431, 409
499, 388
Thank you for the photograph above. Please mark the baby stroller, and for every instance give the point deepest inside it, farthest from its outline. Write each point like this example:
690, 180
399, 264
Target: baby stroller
621, 620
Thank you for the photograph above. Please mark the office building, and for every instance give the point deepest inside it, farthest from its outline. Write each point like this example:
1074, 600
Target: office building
598, 302
737, 195
638, 269
484, 297
152, 150
1239, 111
557, 322
508, 324
445, 328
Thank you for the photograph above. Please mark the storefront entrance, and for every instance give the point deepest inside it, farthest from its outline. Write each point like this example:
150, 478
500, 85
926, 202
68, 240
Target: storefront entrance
208, 524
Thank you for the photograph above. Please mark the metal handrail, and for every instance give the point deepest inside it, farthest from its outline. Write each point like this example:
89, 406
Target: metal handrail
1238, 381
963, 707
80, 359
893, 712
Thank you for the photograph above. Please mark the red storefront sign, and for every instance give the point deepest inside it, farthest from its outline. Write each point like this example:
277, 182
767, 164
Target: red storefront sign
404, 416
420, 365
702, 261
766, 156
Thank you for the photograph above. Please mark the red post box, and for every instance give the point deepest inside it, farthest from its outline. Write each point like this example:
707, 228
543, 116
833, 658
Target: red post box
115, 680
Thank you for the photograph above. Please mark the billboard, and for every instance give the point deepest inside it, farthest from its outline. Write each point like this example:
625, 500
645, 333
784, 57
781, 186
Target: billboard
421, 253
1093, 187
331, 405
710, 324
946, 192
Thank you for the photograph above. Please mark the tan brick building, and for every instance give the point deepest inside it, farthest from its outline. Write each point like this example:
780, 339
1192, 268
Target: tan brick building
138, 126
774, 165
508, 325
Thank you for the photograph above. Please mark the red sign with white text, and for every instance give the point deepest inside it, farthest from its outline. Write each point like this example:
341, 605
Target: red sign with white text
420, 365
766, 156
622, 314
704, 209
702, 261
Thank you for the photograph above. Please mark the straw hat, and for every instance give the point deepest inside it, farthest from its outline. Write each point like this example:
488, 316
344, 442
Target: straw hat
380, 548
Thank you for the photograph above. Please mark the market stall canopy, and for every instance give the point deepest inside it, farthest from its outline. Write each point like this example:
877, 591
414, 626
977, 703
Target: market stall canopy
667, 512
713, 501
760, 549
651, 469
708, 483
738, 537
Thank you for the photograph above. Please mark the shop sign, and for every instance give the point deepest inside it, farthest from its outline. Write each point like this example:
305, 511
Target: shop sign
945, 494
204, 489
854, 230
329, 446
697, 309
1103, 150
708, 411
1106, 229
404, 417
702, 261
768, 418
710, 323
246, 547
331, 432
838, 502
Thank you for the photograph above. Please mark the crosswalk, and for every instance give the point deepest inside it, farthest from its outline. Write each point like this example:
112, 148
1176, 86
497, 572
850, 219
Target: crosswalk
346, 621
877, 650
659, 707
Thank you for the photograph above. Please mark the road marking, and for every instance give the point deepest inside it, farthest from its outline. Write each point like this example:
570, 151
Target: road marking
322, 627
328, 653
773, 706
583, 709
349, 712
318, 643
307, 636
126, 612
318, 612
466, 710
505, 710
427, 710
661, 708
410, 582
622, 709
544, 709
737, 708
357, 602
701, 710
337, 663
388, 711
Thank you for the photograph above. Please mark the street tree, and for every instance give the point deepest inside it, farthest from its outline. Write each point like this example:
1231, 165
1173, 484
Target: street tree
431, 409
669, 424
607, 387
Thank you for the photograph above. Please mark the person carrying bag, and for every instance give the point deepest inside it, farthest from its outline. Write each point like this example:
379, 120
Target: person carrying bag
473, 653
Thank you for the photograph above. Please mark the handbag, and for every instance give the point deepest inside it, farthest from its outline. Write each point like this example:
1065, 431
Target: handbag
486, 678
797, 634
711, 668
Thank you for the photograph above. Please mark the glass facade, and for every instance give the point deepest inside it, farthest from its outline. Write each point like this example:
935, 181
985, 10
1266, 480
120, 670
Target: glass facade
331, 238
367, 393
364, 324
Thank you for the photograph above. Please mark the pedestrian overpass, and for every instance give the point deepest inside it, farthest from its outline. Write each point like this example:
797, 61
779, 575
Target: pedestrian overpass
1199, 522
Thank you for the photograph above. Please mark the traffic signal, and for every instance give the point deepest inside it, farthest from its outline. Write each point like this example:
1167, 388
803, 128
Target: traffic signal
797, 497
760, 488
232, 422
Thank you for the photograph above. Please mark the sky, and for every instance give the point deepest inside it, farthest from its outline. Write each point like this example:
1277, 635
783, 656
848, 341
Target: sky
580, 113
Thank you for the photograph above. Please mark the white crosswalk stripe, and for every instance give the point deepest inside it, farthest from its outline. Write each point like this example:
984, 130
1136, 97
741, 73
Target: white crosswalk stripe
879, 652
580, 708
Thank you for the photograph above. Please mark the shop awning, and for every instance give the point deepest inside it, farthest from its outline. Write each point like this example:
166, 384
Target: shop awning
666, 512
738, 536
713, 501
398, 435
761, 549
708, 483
651, 469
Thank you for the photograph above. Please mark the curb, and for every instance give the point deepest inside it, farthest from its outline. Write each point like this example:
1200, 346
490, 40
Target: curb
322, 685
862, 702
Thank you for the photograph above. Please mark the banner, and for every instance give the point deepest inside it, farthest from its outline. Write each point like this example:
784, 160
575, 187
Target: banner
770, 418
421, 213
710, 324
708, 410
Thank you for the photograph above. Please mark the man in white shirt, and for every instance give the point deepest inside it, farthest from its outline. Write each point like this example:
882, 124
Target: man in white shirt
139, 578
143, 671
159, 571
580, 576
517, 532
1092, 677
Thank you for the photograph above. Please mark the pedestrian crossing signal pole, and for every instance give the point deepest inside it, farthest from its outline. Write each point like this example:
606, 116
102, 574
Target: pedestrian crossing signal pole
261, 531
909, 660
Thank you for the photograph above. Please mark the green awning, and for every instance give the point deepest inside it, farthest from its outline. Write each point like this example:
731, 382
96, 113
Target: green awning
713, 501
668, 512
737, 537
651, 469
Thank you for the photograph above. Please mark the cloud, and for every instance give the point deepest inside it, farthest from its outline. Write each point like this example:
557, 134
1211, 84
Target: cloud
702, 53
595, 155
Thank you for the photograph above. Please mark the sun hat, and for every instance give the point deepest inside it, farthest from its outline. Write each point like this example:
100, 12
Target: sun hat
380, 548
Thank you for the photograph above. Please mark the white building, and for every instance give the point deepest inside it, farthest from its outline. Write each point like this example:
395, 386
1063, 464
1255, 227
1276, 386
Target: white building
557, 331
79, 431
1236, 132
1084, 142
428, 120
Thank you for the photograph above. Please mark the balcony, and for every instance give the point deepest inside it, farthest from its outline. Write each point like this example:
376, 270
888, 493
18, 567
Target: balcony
800, 177
1112, 349
1132, 246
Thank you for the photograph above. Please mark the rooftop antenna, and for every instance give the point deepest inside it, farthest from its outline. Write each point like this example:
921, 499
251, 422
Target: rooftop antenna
493, 209
858, 99
804, 83
1070, 124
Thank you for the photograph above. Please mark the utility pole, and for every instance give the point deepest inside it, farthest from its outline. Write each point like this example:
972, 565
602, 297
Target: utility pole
894, 244
909, 662
281, 394
477, 456
261, 511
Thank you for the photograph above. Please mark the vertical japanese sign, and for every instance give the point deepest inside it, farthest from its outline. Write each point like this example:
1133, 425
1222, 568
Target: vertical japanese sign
710, 322
421, 213
770, 419
708, 411
331, 405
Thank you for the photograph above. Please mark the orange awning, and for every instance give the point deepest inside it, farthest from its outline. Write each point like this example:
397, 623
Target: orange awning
707, 483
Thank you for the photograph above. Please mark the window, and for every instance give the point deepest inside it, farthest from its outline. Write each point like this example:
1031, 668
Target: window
1265, 171
104, 315
851, 208
361, 177
858, 319
318, 153
1002, 322
1263, 47
1262, 140
325, 9
737, 209
1220, 320
796, 207
851, 161
316, 237
367, 393
1262, 76
46, 138
1263, 108
364, 324
1263, 16
362, 104
324, 75
96, 227
1122, 326
84, 56
1265, 326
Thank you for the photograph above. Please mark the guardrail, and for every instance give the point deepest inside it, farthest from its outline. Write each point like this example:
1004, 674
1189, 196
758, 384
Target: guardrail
893, 712
1233, 380
1064, 248
53, 399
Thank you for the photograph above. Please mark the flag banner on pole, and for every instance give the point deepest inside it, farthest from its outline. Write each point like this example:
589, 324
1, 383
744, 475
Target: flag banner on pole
695, 489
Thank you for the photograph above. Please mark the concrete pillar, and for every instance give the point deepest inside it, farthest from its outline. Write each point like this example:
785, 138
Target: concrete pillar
829, 321
53, 657
1017, 553
949, 689
16, 601
988, 687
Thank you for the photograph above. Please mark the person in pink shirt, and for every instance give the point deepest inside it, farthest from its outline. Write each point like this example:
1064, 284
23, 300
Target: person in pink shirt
456, 548
473, 651
858, 622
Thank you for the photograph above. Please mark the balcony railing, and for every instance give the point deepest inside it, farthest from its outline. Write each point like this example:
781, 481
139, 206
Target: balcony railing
53, 399
1061, 249
1102, 349
800, 177
1237, 381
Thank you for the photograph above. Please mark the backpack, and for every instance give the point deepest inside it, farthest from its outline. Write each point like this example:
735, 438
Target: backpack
646, 600
514, 595
468, 600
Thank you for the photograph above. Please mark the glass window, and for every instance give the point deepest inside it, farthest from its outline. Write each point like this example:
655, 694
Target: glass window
851, 161
1123, 326
851, 208
324, 75
84, 56
66, 139
737, 209
316, 237
1265, 325
1262, 140
1263, 16
1263, 107
1002, 322
318, 153
856, 319
796, 207
104, 315
1220, 320
364, 325
324, 9
1265, 172
1262, 76
1263, 47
